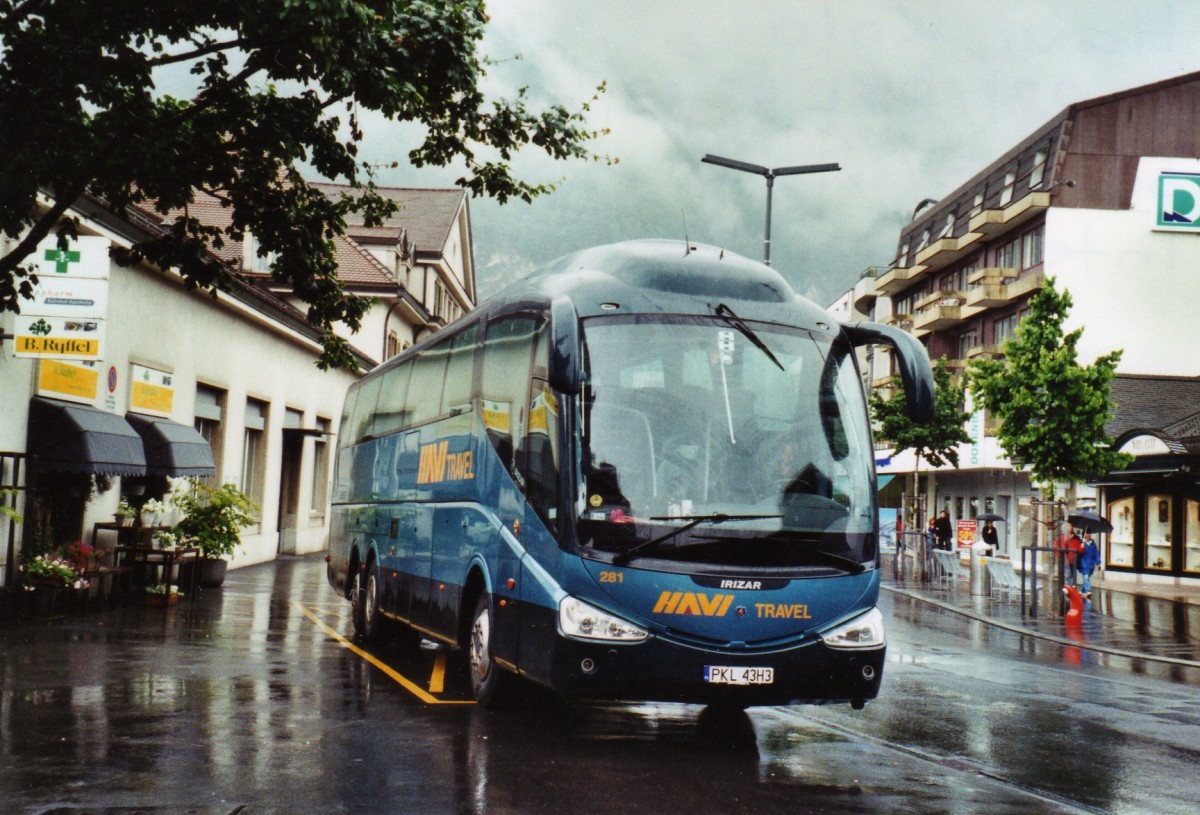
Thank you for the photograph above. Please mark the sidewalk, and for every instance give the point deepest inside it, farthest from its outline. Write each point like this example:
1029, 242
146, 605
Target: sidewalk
1126, 618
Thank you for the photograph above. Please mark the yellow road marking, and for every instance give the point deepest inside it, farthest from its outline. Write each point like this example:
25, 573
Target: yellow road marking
401, 680
437, 682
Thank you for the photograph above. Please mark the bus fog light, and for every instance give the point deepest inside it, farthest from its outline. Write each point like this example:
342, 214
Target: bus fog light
582, 621
588, 666
868, 673
864, 631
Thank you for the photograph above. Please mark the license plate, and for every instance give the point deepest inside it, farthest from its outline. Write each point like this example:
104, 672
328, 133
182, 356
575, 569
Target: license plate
730, 675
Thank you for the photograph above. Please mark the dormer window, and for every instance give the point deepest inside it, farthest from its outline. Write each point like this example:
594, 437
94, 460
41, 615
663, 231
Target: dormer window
1039, 169
1010, 181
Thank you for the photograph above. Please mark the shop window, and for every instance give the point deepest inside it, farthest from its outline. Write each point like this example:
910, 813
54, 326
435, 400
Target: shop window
1158, 532
320, 468
209, 410
254, 449
1120, 541
1191, 536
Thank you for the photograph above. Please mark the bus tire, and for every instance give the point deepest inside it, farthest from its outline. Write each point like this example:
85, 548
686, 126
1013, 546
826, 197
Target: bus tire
357, 596
490, 684
373, 623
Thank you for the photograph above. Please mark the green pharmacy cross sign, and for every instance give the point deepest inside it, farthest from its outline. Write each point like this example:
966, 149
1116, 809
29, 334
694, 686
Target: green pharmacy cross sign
61, 258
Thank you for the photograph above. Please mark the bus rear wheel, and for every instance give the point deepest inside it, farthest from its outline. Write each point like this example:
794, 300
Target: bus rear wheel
490, 684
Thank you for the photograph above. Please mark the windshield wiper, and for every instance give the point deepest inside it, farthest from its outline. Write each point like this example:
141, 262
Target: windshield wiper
726, 313
692, 520
851, 566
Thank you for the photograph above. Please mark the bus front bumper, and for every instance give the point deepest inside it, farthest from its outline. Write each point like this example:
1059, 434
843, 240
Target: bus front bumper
661, 670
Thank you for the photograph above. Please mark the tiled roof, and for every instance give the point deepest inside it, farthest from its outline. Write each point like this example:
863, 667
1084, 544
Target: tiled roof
428, 216
1169, 406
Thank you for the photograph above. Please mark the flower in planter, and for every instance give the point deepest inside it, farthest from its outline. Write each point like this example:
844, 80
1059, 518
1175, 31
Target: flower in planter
213, 519
126, 511
52, 569
163, 588
165, 539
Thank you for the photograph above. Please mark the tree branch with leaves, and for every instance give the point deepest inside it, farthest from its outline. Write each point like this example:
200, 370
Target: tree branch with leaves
1052, 409
279, 85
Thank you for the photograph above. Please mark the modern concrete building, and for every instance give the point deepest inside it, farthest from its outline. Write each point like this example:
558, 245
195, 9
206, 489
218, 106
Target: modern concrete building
1105, 199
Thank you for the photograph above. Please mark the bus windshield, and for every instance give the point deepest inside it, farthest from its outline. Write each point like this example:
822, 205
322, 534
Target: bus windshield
725, 442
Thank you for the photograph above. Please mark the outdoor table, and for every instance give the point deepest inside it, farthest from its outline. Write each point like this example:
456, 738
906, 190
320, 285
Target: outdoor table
142, 560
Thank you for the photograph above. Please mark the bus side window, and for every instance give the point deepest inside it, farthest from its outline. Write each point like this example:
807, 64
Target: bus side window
538, 457
425, 389
507, 361
456, 397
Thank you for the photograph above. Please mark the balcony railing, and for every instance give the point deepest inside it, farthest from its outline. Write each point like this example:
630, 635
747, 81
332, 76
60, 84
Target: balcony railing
992, 222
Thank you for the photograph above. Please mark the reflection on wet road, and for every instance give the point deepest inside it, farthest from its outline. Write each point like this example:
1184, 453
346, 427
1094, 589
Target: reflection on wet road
250, 699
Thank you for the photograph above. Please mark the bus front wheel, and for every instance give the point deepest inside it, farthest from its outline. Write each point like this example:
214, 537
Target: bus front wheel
490, 683
372, 626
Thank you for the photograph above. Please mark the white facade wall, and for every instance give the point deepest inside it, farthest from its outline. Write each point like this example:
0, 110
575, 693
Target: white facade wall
1133, 288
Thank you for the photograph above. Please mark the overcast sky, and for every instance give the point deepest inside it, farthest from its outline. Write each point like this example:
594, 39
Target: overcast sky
910, 98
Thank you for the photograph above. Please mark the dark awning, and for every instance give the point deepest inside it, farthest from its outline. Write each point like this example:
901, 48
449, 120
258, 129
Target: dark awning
171, 448
80, 439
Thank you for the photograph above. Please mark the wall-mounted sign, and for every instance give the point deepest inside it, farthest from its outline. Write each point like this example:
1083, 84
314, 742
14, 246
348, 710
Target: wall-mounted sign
72, 381
83, 257
65, 320
151, 391
43, 337
1179, 201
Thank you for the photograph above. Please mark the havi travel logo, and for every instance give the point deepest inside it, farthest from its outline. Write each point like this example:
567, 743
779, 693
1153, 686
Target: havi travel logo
1179, 200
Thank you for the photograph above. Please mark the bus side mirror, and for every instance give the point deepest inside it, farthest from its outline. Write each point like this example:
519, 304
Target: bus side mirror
564, 347
911, 358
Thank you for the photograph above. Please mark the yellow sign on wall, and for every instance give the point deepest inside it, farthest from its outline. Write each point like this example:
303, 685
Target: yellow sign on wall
151, 391
74, 381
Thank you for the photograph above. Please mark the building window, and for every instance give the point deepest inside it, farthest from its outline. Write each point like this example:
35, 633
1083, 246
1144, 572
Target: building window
1158, 532
254, 449
1010, 181
320, 468
947, 227
902, 255
966, 341
1009, 255
1039, 169
210, 409
977, 205
393, 345
1031, 247
1004, 327
921, 244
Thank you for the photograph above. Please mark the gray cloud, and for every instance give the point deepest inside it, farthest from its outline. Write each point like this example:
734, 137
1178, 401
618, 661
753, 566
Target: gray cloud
910, 98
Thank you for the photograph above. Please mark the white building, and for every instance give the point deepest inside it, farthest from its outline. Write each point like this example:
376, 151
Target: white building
225, 388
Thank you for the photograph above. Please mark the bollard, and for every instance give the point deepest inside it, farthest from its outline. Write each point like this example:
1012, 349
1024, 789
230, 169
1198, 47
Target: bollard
979, 573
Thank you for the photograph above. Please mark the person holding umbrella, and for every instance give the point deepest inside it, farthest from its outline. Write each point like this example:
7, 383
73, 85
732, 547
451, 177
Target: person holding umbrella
991, 538
1089, 559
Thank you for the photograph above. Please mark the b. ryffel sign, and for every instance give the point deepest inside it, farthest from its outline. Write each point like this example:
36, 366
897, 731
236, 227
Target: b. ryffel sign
1179, 201
65, 319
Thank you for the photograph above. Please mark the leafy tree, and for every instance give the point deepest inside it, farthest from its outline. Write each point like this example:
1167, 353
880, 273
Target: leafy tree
1053, 410
937, 441
279, 83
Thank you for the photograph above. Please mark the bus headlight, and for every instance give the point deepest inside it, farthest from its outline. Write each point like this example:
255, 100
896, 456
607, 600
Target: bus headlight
864, 631
582, 621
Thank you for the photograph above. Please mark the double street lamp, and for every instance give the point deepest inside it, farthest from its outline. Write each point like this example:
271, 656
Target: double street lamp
769, 174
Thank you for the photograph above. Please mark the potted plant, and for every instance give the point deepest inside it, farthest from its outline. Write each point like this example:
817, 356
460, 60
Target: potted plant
45, 578
162, 594
213, 519
152, 511
126, 513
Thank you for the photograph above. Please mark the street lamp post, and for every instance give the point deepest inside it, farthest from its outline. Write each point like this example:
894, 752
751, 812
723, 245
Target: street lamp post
769, 174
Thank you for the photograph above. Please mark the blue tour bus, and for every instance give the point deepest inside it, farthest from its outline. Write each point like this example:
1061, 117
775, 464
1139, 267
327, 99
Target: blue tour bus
643, 473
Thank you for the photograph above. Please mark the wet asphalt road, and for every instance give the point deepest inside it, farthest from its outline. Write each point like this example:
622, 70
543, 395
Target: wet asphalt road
248, 699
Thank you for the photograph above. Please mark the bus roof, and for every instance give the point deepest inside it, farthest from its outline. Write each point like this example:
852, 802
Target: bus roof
663, 276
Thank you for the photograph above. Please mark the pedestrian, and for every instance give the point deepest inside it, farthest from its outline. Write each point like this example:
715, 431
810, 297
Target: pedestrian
991, 538
931, 535
1074, 550
943, 530
1089, 559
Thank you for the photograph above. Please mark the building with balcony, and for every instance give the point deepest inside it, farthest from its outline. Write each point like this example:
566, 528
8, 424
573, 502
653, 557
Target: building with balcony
1104, 199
